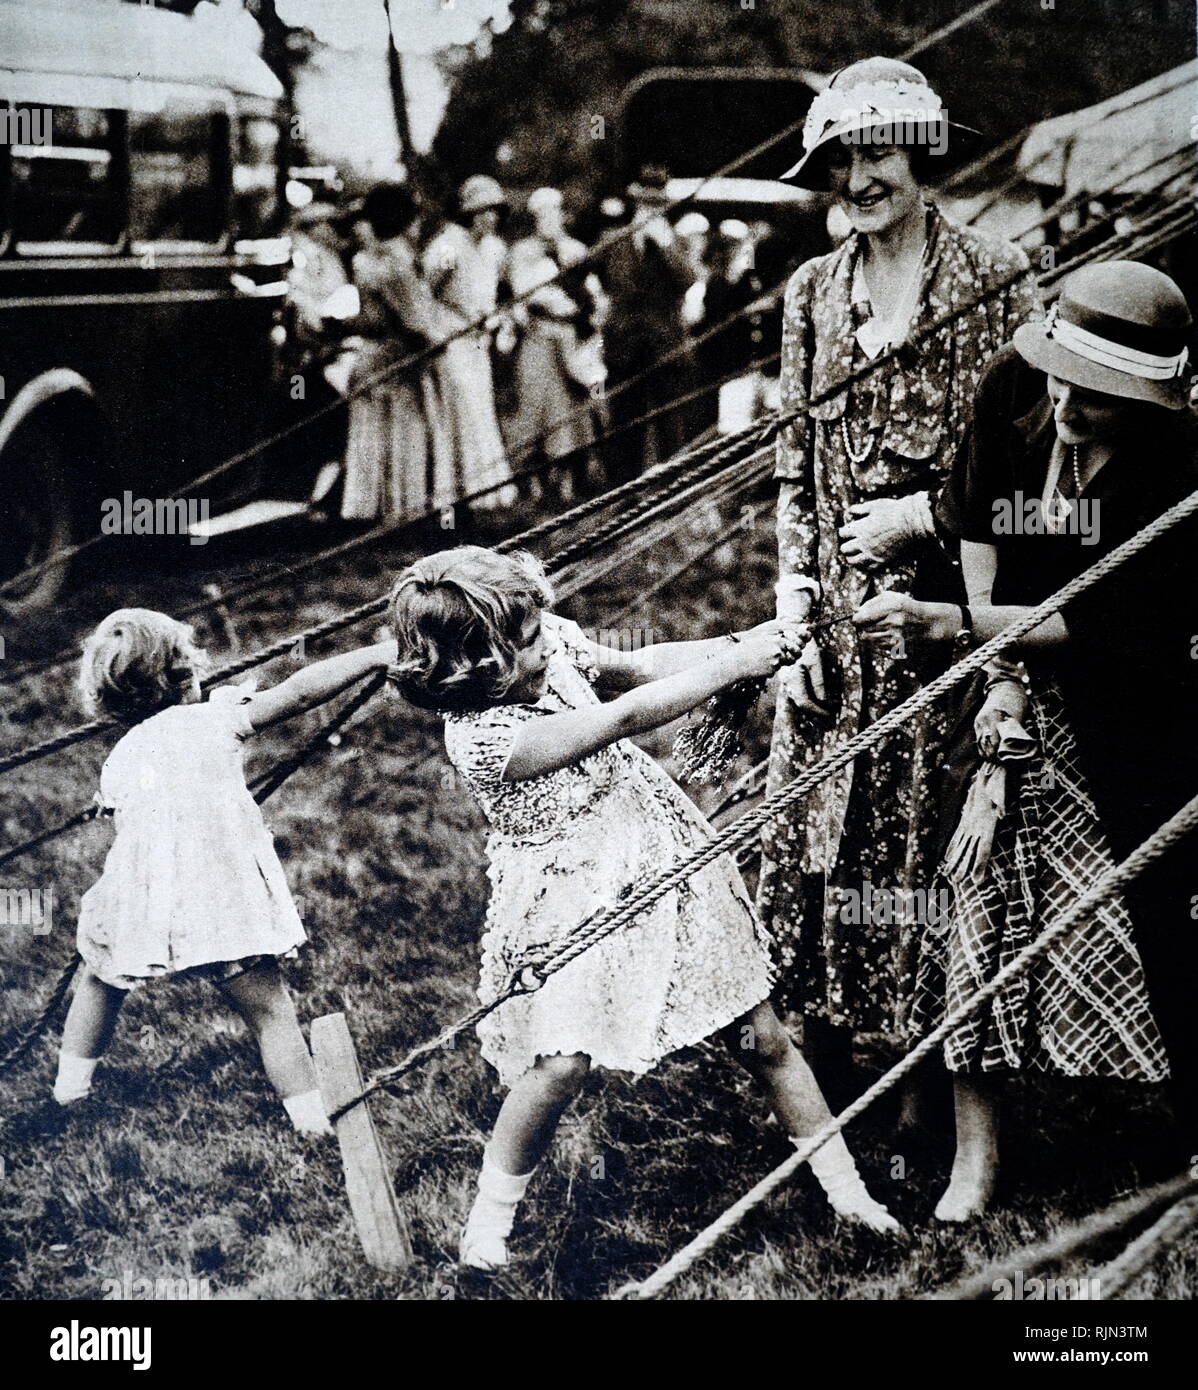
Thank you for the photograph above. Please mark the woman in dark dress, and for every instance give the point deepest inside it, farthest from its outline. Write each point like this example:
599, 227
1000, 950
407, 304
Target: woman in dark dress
1078, 441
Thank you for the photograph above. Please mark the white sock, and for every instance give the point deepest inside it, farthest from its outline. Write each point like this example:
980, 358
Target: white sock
307, 1112
490, 1221
834, 1168
74, 1080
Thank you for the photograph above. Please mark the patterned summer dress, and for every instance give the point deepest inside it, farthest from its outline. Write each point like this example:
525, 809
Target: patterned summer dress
568, 843
192, 878
873, 821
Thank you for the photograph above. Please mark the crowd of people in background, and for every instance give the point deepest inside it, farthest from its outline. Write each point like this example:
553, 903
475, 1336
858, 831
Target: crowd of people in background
542, 363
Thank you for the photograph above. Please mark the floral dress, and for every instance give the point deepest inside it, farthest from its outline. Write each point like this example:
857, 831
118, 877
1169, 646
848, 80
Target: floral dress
568, 844
893, 433
192, 878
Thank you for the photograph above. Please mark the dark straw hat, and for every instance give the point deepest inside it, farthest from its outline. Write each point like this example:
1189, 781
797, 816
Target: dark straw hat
1119, 328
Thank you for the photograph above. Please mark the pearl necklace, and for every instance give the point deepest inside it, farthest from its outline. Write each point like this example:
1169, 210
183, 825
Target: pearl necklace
1063, 506
856, 456
904, 309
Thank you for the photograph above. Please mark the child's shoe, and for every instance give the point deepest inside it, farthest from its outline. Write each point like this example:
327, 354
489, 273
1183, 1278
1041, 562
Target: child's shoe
484, 1237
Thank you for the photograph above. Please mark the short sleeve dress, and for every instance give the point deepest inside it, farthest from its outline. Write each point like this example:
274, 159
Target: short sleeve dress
192, 878
570, 843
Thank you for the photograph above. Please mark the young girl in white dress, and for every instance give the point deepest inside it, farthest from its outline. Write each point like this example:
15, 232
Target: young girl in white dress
192, 881
578, 815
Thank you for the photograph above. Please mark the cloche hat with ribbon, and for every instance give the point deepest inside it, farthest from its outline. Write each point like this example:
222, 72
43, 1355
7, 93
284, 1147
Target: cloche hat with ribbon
1119, 328
882, 95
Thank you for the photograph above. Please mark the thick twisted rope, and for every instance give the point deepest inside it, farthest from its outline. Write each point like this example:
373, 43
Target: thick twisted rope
1067, 1242
23, 1042
729, 484
742, 477
773, 422
533, 973
742, 523
623, 523
262, 788
1112, 883
1147, 1248
416, 360
668, 474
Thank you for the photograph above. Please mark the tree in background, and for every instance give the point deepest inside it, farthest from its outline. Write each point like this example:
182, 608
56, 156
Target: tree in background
546, 90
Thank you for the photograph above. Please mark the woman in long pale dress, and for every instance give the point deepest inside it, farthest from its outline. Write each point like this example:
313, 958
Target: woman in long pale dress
399, 437
554, 416
856, 474
460, 278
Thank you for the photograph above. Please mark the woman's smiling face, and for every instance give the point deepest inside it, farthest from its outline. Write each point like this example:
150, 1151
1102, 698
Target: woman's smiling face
873, 184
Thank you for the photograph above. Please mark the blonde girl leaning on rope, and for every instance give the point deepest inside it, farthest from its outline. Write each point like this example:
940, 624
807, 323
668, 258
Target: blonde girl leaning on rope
192, 883
579, 816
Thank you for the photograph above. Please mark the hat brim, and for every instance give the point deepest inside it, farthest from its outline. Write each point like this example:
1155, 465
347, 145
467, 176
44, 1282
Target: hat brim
811, 172
1047, 355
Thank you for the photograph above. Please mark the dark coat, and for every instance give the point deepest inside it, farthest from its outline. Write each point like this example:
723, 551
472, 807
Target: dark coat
1129, 673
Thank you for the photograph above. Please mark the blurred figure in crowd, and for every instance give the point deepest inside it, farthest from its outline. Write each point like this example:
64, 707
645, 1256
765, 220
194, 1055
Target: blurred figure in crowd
732, 288
693, 230
559, 369
461, 276
399, 442
484, 209
647, 274
317, 269
317, 357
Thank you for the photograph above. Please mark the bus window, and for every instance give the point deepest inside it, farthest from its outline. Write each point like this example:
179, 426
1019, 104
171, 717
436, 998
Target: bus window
255, 178
176, 177
65, 193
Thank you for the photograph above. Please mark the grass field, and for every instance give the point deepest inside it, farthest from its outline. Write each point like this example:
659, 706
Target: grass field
183, 1163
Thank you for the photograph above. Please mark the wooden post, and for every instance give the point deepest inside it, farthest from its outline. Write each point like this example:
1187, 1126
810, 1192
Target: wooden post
367, 1181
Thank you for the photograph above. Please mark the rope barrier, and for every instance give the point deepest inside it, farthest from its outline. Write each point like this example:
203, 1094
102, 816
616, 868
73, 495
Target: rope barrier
1067, 1242
709, 489
1108, 886
776, 421
399, 525
740, 831
662, 473
414, 361
743, 523
740, 477
1115, 1277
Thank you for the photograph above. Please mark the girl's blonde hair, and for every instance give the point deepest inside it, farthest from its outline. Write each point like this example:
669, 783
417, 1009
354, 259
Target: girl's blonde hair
457, 617
137, 663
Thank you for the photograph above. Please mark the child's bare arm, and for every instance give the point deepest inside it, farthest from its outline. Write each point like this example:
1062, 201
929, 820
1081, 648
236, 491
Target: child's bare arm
621, 669
317, 683
558, 740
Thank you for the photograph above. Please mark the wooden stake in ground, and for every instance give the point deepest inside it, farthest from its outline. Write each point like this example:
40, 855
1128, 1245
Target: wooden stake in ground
367, 1181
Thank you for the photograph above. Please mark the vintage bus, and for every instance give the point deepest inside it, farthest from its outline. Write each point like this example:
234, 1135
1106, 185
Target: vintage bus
141, 266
